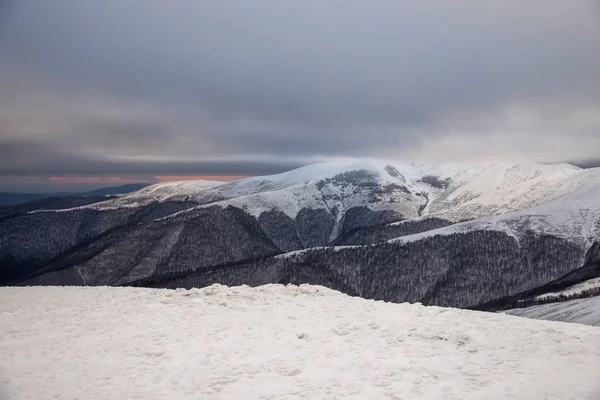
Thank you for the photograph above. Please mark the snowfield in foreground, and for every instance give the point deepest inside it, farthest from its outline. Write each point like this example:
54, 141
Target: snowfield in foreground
277, 342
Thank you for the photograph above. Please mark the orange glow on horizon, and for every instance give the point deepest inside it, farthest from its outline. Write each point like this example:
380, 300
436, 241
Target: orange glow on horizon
220, 178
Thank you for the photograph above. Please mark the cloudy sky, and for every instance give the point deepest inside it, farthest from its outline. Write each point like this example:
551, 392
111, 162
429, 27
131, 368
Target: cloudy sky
105, 92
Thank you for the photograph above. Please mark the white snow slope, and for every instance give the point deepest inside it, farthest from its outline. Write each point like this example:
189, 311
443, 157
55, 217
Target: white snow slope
277, 342
561, 200
474, 190
579, 288
582, 311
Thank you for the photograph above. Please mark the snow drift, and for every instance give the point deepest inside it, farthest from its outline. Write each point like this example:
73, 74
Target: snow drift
279, 342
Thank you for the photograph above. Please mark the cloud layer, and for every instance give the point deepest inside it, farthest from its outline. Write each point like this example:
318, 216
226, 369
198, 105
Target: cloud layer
233, 87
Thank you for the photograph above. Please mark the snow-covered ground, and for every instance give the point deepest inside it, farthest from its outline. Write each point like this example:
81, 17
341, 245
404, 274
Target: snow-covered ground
582, 311
276, 342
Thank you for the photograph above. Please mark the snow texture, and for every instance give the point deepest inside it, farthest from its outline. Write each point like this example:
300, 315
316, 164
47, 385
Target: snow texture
582, 311
476, 188
278, 342
557, 199
560, 200
574, 290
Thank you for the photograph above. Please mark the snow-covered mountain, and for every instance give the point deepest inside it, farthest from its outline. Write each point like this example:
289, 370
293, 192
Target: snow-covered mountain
478, 235
279, 342
582, 311
453, 191
561, 198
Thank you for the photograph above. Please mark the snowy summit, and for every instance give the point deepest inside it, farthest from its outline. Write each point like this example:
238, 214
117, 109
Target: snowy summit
279, 342
486, 236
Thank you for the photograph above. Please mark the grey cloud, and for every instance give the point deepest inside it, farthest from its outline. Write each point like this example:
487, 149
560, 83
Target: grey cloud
41, 160
298, 80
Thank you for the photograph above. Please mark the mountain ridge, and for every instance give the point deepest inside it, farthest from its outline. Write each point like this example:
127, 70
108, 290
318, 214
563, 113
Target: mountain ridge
16, 198
453, 235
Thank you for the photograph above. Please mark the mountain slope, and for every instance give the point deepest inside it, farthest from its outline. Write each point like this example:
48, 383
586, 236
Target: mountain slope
453, 191
476, 236
49, 203
582, 311
279, 342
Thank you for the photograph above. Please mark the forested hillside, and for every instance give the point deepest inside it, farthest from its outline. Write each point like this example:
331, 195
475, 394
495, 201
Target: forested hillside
485, 236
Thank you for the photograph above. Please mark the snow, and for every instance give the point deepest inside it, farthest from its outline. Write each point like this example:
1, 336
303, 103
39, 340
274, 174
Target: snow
582, 311
98, 206
164, 191
571, 211
560, 200
446, 230
292, 191
474, 191
573, 290
278, 342
160, 192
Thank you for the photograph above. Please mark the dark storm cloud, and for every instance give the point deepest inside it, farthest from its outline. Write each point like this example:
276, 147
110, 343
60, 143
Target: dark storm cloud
27, 158
247, 87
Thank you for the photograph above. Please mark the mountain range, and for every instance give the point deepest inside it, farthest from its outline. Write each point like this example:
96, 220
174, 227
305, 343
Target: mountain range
488, 236
10, 198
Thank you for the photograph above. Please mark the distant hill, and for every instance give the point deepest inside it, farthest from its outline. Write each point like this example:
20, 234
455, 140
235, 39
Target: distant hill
50, 203
132, 187
7, 198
